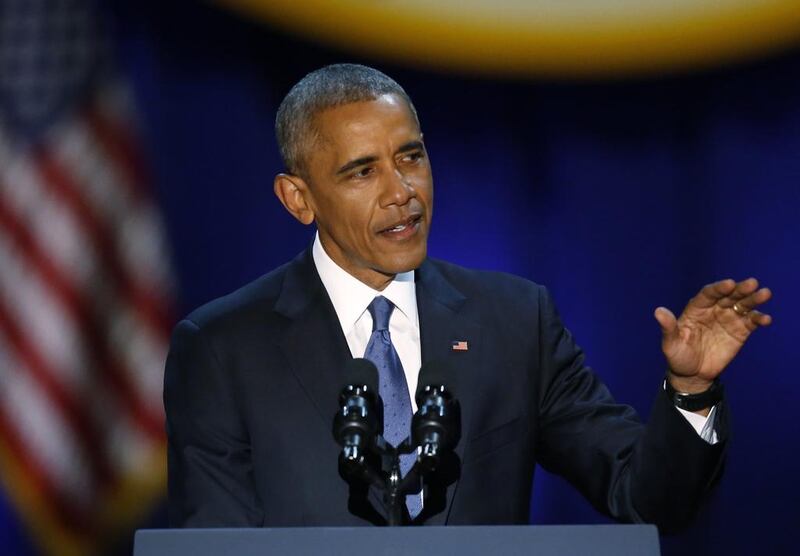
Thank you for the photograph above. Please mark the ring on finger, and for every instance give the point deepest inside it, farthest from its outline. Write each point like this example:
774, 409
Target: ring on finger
739, 310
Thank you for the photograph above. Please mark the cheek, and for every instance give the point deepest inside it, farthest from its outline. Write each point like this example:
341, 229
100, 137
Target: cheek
424, 191
357, 221
348, 213
423, 181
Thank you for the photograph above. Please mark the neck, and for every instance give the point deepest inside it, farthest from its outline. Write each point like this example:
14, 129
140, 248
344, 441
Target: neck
373, 278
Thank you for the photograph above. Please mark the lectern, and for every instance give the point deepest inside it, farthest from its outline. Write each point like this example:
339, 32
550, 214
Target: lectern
549, 540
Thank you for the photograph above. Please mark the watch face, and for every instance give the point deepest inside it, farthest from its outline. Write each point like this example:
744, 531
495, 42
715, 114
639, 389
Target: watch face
541, 37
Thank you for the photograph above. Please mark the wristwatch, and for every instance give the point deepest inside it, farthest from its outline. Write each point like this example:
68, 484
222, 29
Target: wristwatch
695, 402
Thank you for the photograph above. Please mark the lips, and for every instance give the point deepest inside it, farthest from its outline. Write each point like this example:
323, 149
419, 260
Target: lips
402, 228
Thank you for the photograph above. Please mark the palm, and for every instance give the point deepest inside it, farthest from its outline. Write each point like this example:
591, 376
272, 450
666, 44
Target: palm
709, 333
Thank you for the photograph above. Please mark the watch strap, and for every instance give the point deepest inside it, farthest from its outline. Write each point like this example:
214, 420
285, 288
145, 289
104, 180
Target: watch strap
698, 401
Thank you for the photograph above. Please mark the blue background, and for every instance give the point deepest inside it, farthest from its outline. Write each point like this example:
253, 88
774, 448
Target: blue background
619, 195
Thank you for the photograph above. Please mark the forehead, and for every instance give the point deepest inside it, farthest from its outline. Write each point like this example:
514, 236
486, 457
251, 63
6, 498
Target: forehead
360, 126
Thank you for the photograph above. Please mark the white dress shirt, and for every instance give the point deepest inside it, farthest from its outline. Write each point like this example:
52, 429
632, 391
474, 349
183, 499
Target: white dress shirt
351, 297
703, 425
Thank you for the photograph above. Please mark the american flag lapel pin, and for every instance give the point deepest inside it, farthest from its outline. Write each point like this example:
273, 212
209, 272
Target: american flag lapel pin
460, 345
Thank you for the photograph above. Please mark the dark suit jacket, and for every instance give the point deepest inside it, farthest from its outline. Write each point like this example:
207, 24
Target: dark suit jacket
252, 383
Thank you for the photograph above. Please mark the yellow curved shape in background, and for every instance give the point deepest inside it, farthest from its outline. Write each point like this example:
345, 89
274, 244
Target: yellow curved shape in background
554, 38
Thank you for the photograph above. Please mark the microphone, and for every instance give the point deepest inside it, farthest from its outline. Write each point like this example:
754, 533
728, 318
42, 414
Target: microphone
436, 427
358, 419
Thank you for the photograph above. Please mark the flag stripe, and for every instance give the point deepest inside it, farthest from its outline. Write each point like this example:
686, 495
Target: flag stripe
118, 146
48, 220
46, 435
44, 487
62, 243
76, 301
58, 178
27, 290
138, 299
80, 311
136, 232
70, 407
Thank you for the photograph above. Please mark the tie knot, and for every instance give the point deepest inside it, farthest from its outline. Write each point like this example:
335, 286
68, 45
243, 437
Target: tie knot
380, 309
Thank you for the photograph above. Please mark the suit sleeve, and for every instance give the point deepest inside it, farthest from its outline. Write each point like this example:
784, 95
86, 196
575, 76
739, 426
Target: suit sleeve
655, 473
210, 471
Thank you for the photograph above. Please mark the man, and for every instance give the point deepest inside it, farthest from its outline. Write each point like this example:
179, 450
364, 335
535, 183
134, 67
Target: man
252, 379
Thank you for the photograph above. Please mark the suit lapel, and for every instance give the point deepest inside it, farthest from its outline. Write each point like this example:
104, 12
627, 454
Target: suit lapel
313, 342
441, 324
317, 351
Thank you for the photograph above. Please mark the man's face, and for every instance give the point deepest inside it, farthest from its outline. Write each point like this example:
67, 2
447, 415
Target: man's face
370, 188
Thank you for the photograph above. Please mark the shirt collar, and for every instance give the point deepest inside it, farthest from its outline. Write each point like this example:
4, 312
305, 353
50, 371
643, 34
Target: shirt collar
351, 297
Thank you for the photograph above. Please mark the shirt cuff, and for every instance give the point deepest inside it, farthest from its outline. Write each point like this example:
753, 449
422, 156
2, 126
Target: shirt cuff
704, 426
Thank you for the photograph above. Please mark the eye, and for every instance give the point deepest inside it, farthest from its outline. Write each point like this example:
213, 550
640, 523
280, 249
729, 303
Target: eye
364, 172
413, 156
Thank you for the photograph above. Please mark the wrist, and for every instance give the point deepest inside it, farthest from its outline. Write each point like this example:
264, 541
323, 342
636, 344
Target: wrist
688, 384
694, 401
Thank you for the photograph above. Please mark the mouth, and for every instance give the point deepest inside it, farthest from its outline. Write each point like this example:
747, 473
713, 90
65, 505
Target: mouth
402, 229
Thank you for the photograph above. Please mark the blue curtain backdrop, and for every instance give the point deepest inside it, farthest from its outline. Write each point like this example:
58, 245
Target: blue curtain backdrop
618, 195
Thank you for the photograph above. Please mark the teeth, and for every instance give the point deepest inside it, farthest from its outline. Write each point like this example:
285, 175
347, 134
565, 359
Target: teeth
398, 228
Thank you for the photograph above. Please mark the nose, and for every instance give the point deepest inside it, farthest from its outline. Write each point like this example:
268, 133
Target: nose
398, 190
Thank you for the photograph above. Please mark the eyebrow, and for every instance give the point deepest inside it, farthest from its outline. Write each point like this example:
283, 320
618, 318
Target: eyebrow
415, 145
356, 163
410, 146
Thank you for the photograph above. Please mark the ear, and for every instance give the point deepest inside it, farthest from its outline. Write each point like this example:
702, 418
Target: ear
293, 193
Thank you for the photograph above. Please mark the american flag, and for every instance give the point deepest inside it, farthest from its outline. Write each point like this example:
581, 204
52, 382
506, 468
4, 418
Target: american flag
460, 345
84, 282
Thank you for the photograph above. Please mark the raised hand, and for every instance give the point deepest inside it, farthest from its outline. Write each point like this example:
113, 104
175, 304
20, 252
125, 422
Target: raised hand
710, 332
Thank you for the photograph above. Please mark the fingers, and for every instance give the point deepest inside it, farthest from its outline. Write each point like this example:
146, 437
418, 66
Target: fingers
753, 300
743, 301
711, 294
726, 293
666, 319
756, 319
742, 290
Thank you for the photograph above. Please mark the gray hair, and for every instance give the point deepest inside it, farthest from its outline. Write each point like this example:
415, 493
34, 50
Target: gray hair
327, 87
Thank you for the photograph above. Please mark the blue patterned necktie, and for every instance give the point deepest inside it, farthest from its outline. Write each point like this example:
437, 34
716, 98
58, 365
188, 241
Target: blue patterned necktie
393, 388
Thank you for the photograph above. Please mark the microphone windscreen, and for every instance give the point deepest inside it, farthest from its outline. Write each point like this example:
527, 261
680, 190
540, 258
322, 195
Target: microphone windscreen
361, 372
435, 373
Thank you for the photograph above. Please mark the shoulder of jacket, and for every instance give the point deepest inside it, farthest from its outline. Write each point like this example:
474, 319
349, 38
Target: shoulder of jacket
495, 284
254, 298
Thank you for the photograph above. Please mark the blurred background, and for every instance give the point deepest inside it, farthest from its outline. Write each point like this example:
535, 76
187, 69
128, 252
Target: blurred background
622, 153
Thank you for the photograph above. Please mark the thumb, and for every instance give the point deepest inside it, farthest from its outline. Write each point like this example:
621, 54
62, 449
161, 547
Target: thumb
666, 319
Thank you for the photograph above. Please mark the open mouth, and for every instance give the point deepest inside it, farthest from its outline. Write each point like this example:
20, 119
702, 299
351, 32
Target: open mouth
404, 228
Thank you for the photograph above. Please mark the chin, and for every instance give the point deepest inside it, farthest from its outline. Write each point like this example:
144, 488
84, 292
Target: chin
406, 262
